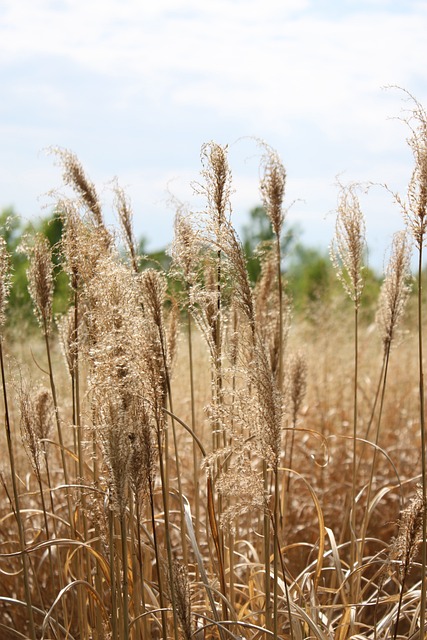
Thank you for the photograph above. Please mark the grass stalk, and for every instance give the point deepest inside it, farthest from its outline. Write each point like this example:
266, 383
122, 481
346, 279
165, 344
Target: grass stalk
281, 314
137, 509
125, 576
16, 498
167, 532
423, 439
266, 537
58, 424
82, 608
196, 482
113, 582
158, 564
354, 556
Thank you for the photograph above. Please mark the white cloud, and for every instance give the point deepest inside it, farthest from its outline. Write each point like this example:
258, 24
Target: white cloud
239, 58
307, 79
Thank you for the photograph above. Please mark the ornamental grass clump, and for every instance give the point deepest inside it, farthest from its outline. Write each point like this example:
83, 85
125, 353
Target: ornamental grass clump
202, 481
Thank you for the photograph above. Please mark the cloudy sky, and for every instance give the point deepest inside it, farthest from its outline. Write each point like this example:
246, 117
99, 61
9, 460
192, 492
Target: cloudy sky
135, 87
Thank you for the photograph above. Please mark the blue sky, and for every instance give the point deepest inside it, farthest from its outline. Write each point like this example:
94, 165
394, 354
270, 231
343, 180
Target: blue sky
135, 88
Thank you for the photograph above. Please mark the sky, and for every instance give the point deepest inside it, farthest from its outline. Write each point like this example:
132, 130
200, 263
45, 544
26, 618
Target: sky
135, 87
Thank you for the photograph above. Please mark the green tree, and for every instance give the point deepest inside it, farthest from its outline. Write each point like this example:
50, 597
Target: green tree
12, 229
310, 276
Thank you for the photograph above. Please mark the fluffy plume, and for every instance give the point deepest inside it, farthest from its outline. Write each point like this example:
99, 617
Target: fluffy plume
83, 244
243, 488
40, 278
142, 448
415, 209
185, 249
75, 177
395, 289
297, 383
204, 307
348, 245
180, 586
217, 188
405, 546
4, 279
114, 431
125, 213
273, 189
37, 417
236, 264
269, 407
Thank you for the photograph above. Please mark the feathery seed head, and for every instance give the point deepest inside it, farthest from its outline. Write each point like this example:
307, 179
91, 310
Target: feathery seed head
269, 405
416, 212
153, 289
185, 248
37, 412
395, 288
116, 445
83, 244
43, 413
348, 244
179, 584
217, 188
5, 279
125, 213
40, 278
237, 266
204, 307
75, 177
272, 188
114, 319
404, 547
155, 388
243, 488
143, 453
297, 382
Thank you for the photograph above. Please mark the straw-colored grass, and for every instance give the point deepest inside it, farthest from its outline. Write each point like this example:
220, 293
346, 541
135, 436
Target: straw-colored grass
185, 459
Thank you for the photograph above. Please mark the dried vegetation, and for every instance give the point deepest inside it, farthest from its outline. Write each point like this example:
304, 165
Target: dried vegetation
199, 464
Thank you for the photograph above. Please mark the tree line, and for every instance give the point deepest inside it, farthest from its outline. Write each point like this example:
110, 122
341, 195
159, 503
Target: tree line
309, 274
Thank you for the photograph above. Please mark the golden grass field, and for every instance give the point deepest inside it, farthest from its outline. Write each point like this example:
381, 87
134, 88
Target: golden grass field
184, 457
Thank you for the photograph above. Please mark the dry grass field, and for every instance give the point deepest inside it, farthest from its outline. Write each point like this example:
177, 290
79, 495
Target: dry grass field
184, 457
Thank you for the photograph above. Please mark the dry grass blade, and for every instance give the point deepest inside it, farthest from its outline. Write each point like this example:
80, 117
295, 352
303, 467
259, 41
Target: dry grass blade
199, 558
71, 586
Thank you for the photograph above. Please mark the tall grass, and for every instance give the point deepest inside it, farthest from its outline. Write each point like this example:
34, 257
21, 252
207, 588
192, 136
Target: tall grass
213, 472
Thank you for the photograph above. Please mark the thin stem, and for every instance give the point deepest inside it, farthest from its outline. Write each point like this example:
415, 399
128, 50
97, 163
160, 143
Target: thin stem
125, 580
167, 532
279, 284
353, 546
112, 574
140, 561
58, 424
16, 498
267, 589
276, 555
159, 571
423, 440
193, 428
